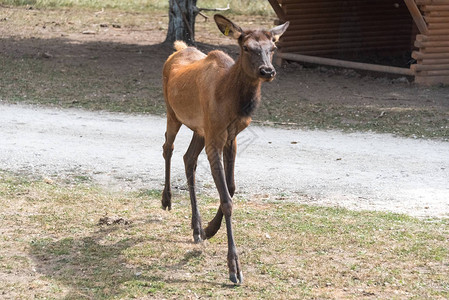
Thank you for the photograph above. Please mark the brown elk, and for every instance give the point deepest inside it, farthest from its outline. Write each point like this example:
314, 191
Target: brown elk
215, 97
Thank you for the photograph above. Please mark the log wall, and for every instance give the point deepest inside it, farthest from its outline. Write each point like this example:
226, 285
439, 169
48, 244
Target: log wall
433, 55
350, 29
345, 29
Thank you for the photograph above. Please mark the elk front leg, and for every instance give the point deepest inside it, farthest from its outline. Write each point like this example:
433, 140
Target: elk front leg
229, 153
214, 153
190, 161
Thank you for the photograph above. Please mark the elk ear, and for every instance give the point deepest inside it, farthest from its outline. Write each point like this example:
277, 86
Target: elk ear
277, 31
227, 27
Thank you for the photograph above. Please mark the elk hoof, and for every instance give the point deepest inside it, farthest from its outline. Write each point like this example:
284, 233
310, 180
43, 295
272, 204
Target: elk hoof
236, 278
166, 200
197, 238
166, 206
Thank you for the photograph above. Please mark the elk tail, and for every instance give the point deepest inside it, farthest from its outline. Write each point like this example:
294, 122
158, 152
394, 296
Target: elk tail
180, 45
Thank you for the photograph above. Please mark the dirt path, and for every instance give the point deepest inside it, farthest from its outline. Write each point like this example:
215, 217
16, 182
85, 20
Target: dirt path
357, 171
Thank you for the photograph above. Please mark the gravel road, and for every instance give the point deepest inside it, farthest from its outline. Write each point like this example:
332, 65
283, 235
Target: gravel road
120, 151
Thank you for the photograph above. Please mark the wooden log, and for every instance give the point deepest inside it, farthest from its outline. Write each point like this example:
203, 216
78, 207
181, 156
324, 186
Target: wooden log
334, 34
341, 42
416, 15
348, 52
431, 44
359, 19
404, 43
436, 20
355, 49
319, 33
343, 12
277, 9
351, 10
351, 52
420, 55
347, 4
353, 27
303, 2
335, 38
344, 64
314, 30
438, 26
431, 38
420, 67
429, 61
356, 17
437, 14
338, 47
434, 50
331, 2
318, 4
427, 8
439, 32
342, 26
431, 2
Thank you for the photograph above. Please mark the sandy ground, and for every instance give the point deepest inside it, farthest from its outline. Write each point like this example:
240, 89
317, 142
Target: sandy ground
119, 151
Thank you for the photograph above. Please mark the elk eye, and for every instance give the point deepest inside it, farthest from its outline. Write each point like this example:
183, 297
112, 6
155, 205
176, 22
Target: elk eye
246, 49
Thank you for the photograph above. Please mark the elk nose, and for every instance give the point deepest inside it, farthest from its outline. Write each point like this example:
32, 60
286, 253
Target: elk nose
267, 72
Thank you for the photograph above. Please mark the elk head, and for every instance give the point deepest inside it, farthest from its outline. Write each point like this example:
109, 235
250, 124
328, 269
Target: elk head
256, 47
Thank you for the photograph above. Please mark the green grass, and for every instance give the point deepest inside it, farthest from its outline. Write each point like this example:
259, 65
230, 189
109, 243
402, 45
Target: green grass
52, 247
415, 122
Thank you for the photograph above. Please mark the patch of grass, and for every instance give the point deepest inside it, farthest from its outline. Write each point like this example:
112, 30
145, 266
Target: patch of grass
52, 247
415, 122
150, 194
82, 86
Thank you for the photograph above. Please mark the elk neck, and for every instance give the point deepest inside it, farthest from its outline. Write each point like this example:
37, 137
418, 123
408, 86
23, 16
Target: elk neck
244, 90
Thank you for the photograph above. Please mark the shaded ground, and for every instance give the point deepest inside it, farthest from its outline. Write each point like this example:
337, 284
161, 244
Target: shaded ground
112, 60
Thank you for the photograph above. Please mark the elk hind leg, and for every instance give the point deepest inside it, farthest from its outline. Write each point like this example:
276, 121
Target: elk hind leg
173, 126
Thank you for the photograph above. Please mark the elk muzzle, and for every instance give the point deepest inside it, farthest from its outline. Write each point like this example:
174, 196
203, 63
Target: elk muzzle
267, 72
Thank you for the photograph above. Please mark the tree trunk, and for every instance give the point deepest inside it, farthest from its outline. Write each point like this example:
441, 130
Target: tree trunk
181, 24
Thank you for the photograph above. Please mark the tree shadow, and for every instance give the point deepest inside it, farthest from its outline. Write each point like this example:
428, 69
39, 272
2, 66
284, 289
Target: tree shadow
98, 75
90, 266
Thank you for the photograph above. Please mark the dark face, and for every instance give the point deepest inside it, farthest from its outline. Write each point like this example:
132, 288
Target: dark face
257, 49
